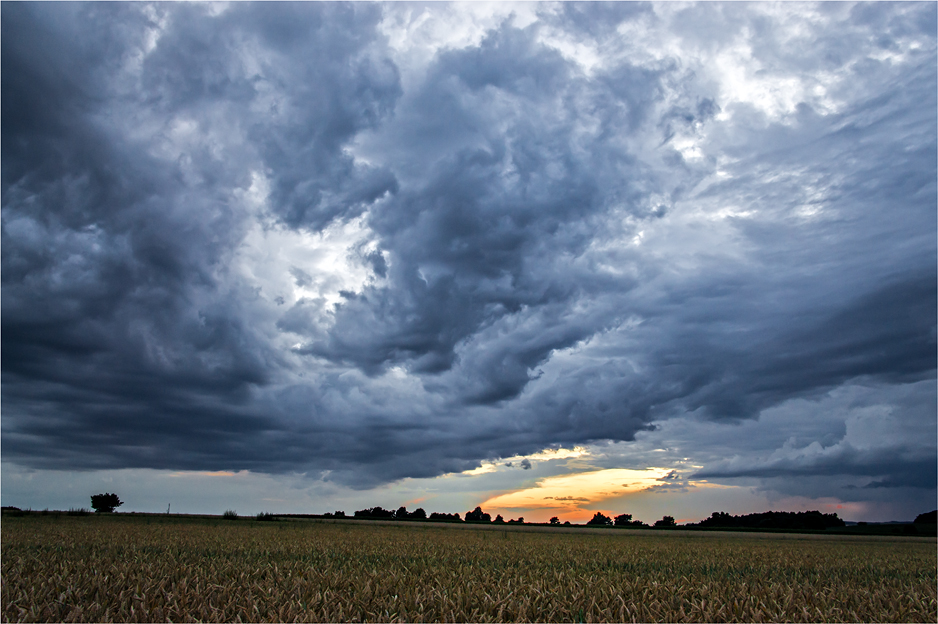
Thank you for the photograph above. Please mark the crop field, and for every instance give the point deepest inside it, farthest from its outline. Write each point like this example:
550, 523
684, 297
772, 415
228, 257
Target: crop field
123, 568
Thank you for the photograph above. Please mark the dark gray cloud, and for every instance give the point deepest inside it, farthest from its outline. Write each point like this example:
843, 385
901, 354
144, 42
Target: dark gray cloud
485, 235
116, 303
251, 237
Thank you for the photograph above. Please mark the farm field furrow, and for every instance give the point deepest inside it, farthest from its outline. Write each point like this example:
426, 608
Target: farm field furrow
122, 568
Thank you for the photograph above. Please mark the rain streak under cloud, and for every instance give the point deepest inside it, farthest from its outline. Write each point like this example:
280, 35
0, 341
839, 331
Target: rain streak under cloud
467, 253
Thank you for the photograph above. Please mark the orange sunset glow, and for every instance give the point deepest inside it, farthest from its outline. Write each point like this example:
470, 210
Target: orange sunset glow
572, 496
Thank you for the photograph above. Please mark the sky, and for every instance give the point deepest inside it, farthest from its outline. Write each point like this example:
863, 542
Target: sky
550, 259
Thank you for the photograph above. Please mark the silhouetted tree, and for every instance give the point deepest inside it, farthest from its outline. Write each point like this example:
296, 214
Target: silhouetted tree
626, 520
418, 514
401, 513
477, 515
555, 520
374, 513
600, 519
499, 519
667, 521
720, 519
445, 517
927, 518
105, 503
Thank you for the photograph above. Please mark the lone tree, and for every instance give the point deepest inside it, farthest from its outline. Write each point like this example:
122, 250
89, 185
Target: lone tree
105, 503
667, 521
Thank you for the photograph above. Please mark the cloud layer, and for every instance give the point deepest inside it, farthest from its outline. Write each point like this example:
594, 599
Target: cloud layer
328, 238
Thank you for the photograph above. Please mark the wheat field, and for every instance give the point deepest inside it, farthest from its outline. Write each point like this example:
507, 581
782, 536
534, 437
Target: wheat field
124, 568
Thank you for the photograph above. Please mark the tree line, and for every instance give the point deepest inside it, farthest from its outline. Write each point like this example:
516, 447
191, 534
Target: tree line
810, 520
801, 520
379, 513
481, 517
786, 520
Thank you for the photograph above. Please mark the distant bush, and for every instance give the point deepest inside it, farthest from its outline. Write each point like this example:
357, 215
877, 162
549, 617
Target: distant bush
265, 517
230, 514
78, 511
665, 522
445, 517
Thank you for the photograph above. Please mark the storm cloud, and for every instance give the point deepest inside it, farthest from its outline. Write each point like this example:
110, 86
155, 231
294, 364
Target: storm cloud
327, 238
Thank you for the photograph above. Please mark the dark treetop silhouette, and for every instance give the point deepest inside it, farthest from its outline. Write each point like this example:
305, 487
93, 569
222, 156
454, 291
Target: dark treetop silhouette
105, 503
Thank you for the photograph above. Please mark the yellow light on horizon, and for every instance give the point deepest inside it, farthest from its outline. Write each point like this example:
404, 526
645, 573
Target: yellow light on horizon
570, 493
